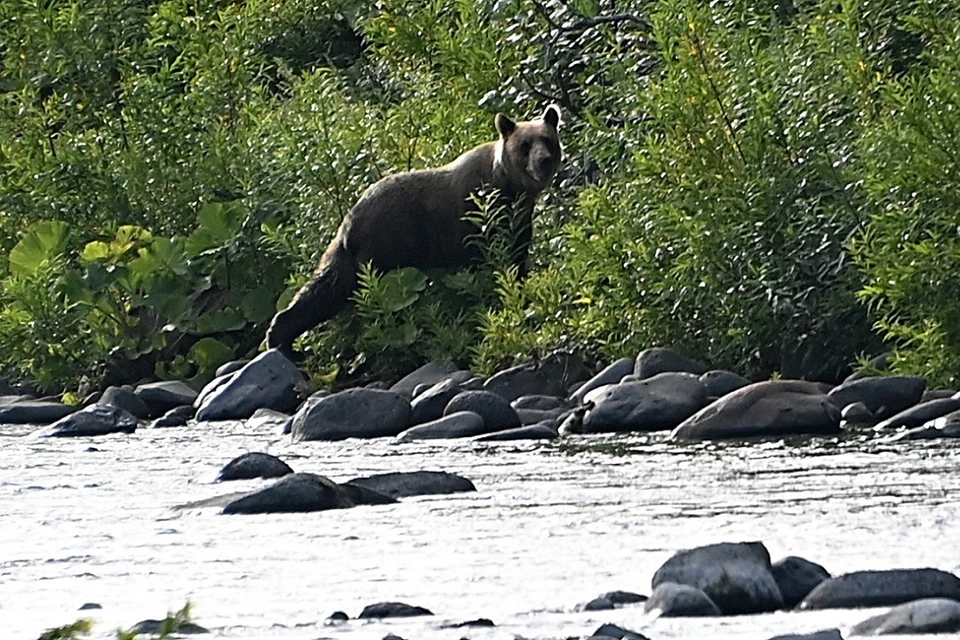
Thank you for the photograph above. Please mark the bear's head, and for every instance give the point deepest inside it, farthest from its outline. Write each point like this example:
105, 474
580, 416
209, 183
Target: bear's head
528, 153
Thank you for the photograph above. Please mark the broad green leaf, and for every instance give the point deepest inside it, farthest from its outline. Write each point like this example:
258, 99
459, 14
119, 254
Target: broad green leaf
258, 305
210, 353
220, 321
44, 241
95, 251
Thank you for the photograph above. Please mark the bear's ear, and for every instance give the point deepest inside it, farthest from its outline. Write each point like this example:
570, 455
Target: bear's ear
505, 125
552, 116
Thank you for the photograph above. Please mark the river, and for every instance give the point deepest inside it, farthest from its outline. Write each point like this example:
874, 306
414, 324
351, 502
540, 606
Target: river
551, 526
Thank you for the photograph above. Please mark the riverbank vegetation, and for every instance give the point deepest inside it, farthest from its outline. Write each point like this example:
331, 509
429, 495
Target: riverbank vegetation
770, 187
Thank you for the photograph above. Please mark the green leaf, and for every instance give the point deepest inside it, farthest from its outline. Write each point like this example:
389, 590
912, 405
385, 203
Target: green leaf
210, 353
258, 305
220, 321
44, 241
95, 251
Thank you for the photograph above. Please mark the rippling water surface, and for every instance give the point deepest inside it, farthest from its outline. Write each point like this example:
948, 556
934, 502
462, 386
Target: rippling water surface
551, 526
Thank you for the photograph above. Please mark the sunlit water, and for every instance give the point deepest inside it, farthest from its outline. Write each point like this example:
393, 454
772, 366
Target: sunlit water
551, 526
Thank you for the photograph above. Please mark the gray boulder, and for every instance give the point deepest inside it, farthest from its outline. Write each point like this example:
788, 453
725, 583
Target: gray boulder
540, 403
719, 383
796, 577
177, 417
937, 394
930, 615
657, 403
254, 465
612, 600
430, 373
152, 627
95, 420
933, 431
540, 431
825, 634
534, 416
920, 414
124, 398
354, 413
269, 420
496, 412
774, 408
856, 415
882, 588
302, 493
230, 367
612, 374
738, 577
268, 381
160, 397
34, 412
429, 405
650, 362
616, 632
884, 396
674, 600
460, 424
392, 610
551, 376
414, 483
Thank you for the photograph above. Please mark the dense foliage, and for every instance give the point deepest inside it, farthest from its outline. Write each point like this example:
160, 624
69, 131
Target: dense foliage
771, 187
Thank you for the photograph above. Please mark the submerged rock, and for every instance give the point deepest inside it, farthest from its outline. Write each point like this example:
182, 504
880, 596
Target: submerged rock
392, 610
920, 414
539, 431
651, 362
930, 615
460, 424
268, 381
863, 589
160, 397
496, 412
773, 408
825, 634
657, 403
617, 633
304, 492
34, 412
797, 577
680, 601
414, 483
269, 420
156, 627
612, 374
254, 465
178, 417
479, 622
936, 429
738, 577
884, 396
95, 420
354, 413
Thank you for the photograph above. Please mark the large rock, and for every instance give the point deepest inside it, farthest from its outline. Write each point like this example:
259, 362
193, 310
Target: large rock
160, 397
650, 362
254, 465
354, 413
535, 416
392, 610
124, 398
738, 577
796, 577
774, 408
163, 628
430, 373
882, 588
268, 381
177, 417
930, 615
932, 431
920, 414
429, 405
496, 412
680, 600
460, 424
304, 492
414, 483
617, 633
612, 374
825, 634
95, 420
540, 403
551, 376
613, 599
654, 404
34, 412
539, 431
884, 396
719, 383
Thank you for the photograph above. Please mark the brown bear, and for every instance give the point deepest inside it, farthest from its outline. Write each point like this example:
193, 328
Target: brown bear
416, 219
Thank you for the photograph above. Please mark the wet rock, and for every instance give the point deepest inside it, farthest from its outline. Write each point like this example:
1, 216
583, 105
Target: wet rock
674, 600
738, 577
254, 465
429, 405
338, 616
882, 588
174, 418
540, 431
155, 627
414, 483
937, 394
657, 403
268, 420
796, 577
857, 415
479, 622
931, 615
87, 606
496, 412
354, 413
937, 429
34, 412
392, 610
550, 376
473, 384
95, 420
826, 634
573, 422
624, 597
460, 424
598, 604
617, 633
124, 398
651, 362
160, 397
540, 403
392, 636
430, 373
920, 414
612, 374
719, 383
304, 492
268, 381
231, 367
883, 396
773, 408
534, 416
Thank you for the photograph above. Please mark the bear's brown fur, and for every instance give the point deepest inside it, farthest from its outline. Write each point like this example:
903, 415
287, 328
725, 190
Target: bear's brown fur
416, 219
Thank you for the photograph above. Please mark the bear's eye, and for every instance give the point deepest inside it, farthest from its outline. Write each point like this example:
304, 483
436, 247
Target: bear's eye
525, 147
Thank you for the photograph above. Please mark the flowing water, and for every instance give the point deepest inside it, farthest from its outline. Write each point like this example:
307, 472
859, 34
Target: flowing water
551, 526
